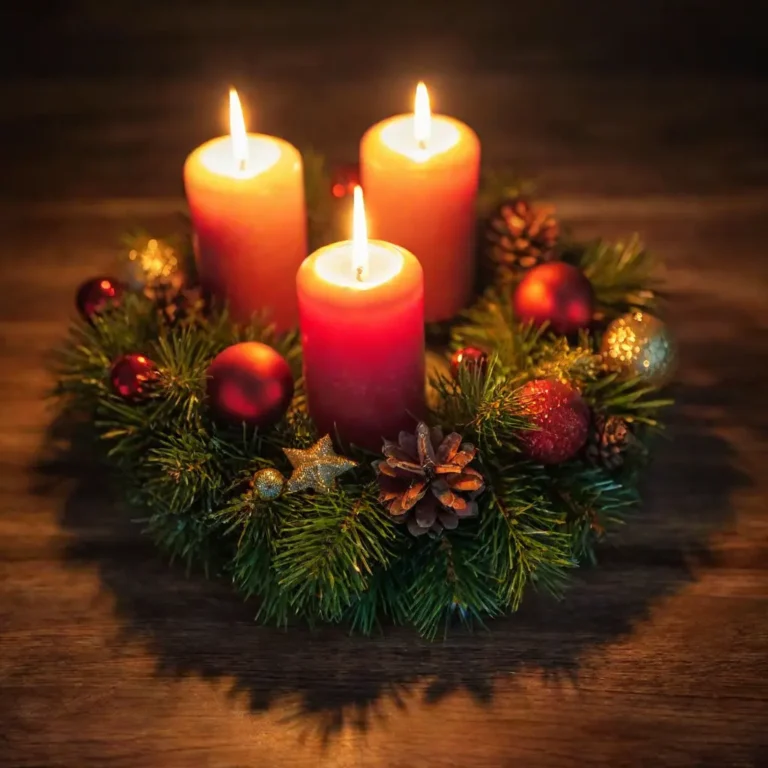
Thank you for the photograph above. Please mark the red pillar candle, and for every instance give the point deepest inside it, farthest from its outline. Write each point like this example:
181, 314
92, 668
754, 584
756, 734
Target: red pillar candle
361, 311
420, 174
246, 197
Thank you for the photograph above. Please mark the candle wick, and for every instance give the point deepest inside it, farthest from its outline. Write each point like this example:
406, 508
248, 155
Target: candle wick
241, 164
422, 143
359, 275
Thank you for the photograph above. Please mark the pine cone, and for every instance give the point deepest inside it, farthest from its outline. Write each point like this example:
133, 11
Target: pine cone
429, 489
520, 236
610, 440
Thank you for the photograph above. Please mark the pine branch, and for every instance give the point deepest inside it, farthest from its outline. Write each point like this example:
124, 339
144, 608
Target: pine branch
482, 405
523, 351
451, 578
330, 545
297, 428
188, 539
633, 399
622, 274
183, 359
82, 364
188, 474
491, 326
555, 358
594, 501
497, 186
383, 599
258, 525
524, 535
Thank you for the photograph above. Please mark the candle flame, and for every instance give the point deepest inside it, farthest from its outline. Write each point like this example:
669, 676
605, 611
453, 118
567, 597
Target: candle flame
359, 236
237, 130
422, 117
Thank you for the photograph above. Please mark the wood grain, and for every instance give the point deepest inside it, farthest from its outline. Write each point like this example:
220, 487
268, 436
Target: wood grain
110, 657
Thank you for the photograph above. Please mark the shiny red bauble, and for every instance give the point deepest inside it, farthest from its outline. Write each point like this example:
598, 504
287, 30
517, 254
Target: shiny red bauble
471, 358
132, 376
344, 179
560, 420
249, 383
98, 293
555, 293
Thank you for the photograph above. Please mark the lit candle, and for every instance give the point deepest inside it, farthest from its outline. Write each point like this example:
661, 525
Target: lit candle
361, 310
246, 197
420, 174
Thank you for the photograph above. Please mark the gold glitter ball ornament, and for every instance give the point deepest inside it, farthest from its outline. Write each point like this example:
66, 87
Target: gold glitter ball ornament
268, 483
316, 467
638, 344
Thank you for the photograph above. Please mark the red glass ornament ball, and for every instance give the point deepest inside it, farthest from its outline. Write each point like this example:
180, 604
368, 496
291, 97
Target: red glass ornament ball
344, 179
95, 295
560, 420
132, 376
250, 383
556, 293
471, 357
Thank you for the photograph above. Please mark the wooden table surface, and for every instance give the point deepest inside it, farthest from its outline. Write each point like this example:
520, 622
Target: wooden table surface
109, 657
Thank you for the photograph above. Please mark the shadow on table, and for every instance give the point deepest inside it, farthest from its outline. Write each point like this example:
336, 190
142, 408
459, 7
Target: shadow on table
330, 680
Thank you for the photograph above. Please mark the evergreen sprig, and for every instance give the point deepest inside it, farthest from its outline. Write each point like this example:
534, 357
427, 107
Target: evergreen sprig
622, 274
526, 536
451, 577
329, 546
482, 404
338, 556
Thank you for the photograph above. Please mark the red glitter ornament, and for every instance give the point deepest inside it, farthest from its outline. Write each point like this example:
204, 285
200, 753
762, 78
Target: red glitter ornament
132, 376
95, 295
471, 357
344, 179
560, 419
250, 383
556, 293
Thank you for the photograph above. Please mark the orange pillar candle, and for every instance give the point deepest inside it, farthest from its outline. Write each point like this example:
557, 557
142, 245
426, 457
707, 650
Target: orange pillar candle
420, 174
362, 333
246, 197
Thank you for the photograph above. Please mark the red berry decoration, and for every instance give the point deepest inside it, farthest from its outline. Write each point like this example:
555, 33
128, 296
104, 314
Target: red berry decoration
132, 376
96, 294
344, 179
471, 357
251, 383
556, 293
560, 419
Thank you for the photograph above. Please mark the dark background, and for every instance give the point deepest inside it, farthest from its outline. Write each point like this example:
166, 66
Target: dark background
646, 116
105, 99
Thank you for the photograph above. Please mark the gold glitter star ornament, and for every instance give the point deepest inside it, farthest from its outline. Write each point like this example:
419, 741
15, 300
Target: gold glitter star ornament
316, 467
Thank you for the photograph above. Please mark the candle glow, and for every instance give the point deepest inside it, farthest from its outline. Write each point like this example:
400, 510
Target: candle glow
362, 337
360, 256
237, 131
422, 116
246, 201
420, 173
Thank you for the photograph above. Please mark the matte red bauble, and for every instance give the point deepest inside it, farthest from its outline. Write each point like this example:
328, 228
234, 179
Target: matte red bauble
132, 376
556, 293
471, 358
251, 383
560, 419
96, 294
